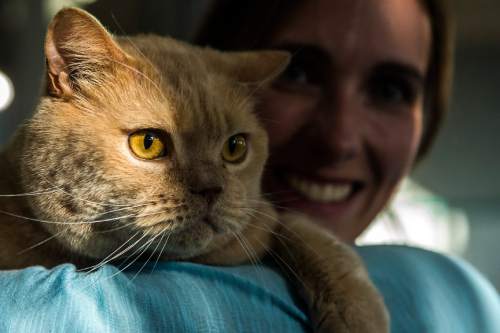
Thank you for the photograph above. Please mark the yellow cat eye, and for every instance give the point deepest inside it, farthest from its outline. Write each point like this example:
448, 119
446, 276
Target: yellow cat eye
235, 149
147, 145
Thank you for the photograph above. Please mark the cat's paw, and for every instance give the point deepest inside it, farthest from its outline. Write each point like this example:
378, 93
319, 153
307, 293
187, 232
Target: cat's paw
355, 307
330, 322
338, 321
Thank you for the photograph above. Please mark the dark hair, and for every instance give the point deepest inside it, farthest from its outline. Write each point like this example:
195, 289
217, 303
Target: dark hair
440, 72
248, 24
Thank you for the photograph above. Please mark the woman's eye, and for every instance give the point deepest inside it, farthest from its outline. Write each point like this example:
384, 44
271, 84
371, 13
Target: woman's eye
147, 144
299, 76
391, 91
235, 149
295, 73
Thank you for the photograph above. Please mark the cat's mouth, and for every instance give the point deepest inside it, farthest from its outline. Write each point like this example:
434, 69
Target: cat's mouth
186, 226
214, 226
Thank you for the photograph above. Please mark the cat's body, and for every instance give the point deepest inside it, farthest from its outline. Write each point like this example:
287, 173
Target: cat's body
189, 191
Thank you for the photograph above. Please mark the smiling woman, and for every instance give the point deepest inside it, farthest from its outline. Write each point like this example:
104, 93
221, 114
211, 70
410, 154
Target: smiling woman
355, 113
351, 103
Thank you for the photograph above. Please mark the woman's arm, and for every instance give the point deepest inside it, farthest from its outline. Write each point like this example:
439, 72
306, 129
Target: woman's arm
424, 291
174, 297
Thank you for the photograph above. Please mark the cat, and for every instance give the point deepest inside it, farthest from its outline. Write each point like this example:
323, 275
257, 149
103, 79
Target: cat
141, 143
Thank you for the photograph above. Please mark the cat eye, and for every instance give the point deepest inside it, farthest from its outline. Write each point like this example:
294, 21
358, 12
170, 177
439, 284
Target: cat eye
235, 149
147, 144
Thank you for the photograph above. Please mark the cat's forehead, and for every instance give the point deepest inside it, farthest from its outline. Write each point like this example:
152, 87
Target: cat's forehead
196, 96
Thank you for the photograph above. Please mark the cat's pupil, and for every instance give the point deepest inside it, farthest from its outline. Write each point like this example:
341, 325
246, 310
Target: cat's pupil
232, 145
148, 140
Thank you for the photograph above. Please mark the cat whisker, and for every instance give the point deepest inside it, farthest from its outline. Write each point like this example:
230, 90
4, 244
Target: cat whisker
27, 194
251, 255
131, 223
138, 50
111, 219
273, 193
121, 270
150, 256
142, 249
113, 255
62, 190
256, 204
284, 225
124, 35
145, 204
40, 243
281, 238
121, 205
264, 227
161, 251
126, 225
281, 261
62, 231
275, 204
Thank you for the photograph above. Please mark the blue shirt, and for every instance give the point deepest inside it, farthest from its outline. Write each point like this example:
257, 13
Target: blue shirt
424, 291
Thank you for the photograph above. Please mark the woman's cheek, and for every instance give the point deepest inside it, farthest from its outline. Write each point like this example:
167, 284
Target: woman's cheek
399, 146
284, 114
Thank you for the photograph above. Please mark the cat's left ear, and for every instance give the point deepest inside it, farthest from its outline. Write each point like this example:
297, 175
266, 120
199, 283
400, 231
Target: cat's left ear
256, 68
77, 49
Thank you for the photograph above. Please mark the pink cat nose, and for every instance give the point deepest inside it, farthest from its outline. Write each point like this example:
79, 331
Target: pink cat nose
209, 193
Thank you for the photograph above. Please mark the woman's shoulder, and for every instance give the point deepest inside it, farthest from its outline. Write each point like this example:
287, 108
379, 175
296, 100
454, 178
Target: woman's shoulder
162, 297
432, 292
424, 291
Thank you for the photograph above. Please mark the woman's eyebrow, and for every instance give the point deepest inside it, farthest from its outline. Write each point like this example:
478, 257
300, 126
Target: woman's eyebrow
400, 69
304, 51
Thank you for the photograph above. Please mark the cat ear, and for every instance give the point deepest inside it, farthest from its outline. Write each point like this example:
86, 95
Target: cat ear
77, 47
257, 68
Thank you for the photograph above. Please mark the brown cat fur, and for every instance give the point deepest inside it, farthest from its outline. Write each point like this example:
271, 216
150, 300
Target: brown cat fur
84, 194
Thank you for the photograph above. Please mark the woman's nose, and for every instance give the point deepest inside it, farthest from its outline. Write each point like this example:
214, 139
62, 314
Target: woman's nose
340, 125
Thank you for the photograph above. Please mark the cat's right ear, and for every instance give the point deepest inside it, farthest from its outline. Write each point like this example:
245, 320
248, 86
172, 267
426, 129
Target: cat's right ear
77, 49
254, 68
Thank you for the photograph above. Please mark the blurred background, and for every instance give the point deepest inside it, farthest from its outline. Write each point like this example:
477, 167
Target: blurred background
452, 201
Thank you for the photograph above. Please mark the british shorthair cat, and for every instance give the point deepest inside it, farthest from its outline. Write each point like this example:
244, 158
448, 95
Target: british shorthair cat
146, 143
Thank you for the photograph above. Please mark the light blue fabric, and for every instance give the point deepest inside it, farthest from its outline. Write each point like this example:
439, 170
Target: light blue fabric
425, 292
175, 297
429, 292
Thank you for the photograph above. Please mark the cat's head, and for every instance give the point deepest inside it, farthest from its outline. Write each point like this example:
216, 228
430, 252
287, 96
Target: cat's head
144, 142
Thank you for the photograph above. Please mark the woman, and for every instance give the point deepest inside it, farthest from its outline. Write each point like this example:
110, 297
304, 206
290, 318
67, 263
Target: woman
359, 105
352, 102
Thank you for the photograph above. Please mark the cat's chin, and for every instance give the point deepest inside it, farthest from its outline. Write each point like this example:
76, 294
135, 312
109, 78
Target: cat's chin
195, 240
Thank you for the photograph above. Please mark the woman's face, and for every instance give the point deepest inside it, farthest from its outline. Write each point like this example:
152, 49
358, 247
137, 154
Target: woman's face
345, 119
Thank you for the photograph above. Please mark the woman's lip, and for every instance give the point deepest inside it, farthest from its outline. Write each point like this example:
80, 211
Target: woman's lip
315, 189
319, 192
317, 177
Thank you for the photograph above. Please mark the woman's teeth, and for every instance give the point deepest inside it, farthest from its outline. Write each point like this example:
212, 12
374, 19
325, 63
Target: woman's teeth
320, 192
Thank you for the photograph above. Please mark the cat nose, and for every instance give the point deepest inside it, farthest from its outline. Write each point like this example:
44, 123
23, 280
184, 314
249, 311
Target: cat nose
209, 193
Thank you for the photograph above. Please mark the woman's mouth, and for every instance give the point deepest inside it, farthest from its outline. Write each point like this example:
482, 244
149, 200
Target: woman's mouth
324, 191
